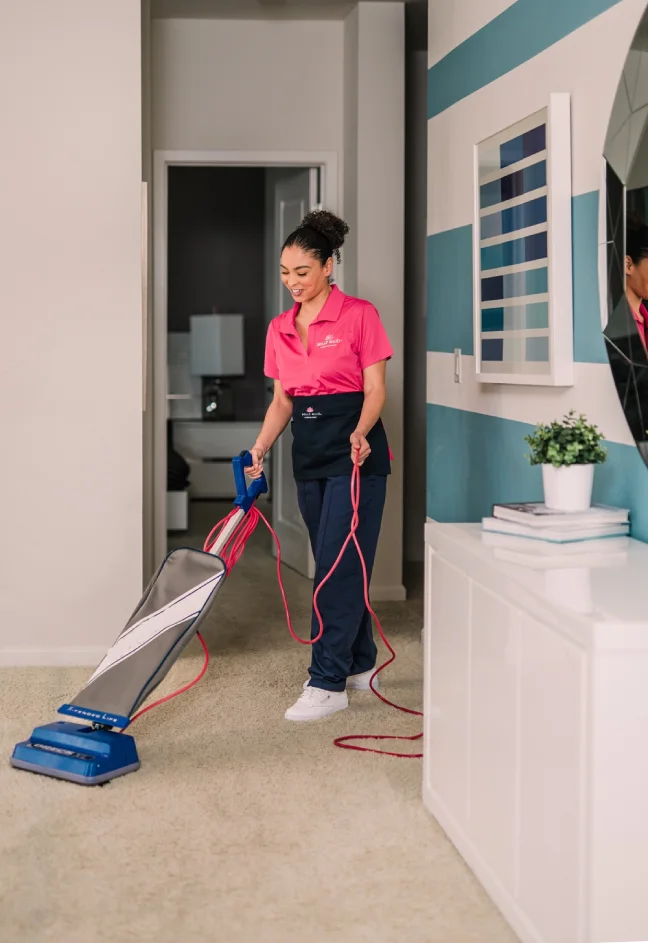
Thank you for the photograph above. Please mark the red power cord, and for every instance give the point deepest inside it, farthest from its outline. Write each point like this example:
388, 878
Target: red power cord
230, 555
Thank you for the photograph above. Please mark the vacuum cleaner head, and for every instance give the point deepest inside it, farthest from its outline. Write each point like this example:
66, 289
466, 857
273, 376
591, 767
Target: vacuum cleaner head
86, 755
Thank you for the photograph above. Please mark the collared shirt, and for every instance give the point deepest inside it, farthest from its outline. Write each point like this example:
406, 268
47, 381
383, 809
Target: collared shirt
346, 337
640, 321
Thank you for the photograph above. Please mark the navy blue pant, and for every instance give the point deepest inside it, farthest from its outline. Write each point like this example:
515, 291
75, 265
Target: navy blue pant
347, 646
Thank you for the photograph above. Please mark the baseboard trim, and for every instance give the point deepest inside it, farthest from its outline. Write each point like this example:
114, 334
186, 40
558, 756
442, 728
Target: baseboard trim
90, 657
51, 657
396, 593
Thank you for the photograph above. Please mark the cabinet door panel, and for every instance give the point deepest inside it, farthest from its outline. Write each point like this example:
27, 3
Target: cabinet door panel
494, 732
552, 734
447, 635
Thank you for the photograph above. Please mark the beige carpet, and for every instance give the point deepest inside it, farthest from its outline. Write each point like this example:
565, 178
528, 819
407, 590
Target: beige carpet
239, 826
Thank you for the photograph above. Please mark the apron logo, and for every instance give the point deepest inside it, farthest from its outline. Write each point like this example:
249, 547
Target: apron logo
329, 341
310, 414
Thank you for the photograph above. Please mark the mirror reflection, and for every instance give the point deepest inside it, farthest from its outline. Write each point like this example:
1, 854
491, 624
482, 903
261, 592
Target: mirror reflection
626, 237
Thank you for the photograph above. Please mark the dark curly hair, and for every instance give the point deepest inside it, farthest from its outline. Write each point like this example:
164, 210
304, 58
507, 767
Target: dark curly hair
636, 238
320, 233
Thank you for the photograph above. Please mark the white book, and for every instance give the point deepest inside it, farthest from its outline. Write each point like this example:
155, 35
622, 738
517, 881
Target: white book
563, 562
544, 548
554, 534
537, 515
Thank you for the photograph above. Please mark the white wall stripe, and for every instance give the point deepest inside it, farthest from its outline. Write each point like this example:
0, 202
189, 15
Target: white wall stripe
594, 394
522, 92
448, 29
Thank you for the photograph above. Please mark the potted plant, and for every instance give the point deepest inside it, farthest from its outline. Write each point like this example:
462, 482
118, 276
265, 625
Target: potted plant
568, 451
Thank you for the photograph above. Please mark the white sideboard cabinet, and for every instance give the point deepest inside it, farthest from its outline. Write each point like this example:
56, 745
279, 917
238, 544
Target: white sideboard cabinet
536, 733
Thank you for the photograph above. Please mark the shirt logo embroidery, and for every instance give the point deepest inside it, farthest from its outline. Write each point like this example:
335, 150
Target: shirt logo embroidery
330, 341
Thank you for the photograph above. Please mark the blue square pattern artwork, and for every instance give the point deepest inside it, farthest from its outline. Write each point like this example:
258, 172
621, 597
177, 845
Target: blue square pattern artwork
513, 248
493, 349
524, 145
522, 216
513, 185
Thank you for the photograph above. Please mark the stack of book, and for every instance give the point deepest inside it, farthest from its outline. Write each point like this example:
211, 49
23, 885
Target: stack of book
531, 534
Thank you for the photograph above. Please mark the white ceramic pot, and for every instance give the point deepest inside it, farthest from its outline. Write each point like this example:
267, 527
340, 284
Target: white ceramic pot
568, 488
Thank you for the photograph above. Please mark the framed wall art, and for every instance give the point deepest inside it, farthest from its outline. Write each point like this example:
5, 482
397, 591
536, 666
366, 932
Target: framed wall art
522, 251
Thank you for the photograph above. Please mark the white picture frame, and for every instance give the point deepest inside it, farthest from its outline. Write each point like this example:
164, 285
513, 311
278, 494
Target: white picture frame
522, 251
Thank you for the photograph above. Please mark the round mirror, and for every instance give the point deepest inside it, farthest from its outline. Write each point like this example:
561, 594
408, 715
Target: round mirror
625, 191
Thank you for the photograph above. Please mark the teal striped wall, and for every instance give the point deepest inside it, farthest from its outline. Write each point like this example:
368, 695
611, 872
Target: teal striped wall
525, 29
476, 460
473, 459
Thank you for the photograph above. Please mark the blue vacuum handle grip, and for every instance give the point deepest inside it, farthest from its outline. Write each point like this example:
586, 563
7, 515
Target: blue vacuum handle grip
246, 496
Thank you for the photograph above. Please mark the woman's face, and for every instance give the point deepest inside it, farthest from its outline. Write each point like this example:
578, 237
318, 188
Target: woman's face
303, 275
637, 277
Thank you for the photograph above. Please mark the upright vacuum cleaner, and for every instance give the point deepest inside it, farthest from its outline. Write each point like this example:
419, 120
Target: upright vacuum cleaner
171, 611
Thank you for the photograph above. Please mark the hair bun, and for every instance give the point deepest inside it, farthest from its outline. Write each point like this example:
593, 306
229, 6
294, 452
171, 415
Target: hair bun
634, 222
328, 224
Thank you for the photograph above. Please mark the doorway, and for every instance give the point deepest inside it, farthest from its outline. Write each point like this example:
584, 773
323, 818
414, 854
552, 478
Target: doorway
219, 223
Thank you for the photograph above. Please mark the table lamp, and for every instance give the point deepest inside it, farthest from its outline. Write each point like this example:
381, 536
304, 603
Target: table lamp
216, 353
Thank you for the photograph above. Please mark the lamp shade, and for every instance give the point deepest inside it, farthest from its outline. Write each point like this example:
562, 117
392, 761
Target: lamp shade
216, 347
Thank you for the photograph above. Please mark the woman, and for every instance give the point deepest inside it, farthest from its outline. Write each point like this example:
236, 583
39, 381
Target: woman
327, 356
636, 266
626, 335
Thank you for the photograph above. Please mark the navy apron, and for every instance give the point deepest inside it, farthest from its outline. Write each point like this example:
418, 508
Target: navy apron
322, 427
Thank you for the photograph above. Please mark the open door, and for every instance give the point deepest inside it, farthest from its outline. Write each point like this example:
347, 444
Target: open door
294, 193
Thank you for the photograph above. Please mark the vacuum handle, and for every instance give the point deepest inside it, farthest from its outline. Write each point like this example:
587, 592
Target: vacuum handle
246, 496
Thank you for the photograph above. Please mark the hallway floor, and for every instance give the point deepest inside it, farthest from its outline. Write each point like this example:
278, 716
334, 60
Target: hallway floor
239, 826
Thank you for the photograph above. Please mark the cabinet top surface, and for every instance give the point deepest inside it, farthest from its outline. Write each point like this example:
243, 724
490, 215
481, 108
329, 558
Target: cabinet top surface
602, 597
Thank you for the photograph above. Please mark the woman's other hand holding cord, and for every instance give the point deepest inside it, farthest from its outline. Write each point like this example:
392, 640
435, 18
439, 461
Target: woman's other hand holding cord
374, 400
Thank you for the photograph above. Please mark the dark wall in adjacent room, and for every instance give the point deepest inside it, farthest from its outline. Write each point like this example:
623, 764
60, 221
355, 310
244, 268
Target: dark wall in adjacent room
216, 261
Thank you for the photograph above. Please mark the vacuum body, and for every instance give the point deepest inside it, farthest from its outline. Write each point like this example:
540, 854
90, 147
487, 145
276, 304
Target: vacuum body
173, 608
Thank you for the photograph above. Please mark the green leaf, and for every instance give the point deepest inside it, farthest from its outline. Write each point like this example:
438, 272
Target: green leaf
572, 441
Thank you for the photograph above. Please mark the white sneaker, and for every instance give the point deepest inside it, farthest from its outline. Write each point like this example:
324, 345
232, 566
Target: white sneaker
316, 703
361, 682
358, 682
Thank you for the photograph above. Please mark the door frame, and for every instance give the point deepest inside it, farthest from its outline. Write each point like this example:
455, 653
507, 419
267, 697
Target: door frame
331, 198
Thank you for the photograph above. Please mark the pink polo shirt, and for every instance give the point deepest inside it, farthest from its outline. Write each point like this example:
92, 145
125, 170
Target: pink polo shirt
641, 320
346, 337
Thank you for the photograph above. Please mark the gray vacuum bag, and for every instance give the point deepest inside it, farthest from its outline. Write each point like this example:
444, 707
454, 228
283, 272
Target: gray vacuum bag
173, 608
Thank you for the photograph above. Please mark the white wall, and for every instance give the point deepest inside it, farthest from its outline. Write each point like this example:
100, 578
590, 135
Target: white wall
377, 211
247, 84
452, 21
70, 297
148, 553
351, 86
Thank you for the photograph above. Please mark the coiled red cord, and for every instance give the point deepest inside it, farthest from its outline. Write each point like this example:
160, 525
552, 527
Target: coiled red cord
230, 555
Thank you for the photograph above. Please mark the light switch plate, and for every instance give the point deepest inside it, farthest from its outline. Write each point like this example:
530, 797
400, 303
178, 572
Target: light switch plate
457, 365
